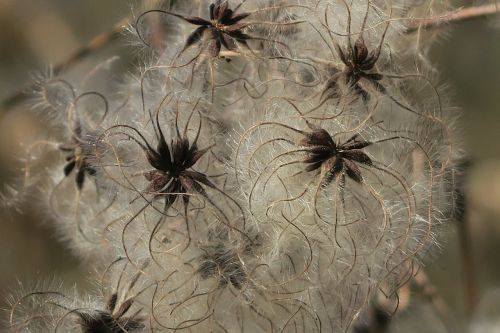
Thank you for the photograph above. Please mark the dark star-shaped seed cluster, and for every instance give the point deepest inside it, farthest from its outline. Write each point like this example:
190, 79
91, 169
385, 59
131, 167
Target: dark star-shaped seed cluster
223, 28
357, 74
172, 175
335, 159
222, 261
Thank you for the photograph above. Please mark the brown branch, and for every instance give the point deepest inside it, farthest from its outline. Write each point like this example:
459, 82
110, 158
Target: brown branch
95, 43
462, 215
468, 266
430, 292
464, 14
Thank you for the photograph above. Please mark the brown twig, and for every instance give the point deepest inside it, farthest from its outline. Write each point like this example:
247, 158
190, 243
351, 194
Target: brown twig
95, 43
468, 266
462, 217
430, 292
463, 14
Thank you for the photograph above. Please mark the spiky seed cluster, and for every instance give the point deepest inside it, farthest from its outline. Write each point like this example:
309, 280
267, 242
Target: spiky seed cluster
111, 320
223, 29
357, 73
220, 260
259, 194
334, 159
78, 158
172, 176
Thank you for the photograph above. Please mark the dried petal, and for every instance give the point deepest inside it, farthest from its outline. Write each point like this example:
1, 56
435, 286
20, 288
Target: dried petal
236, 18
360, 50
69, 167
220, 9
319, 137
228, 42
358, 156
195, 37
80, 178
214, 45
353, 171
197, 20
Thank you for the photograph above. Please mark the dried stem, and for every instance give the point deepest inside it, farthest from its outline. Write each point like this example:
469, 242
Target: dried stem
468, 264
462, 217
464, 14
430, 292
95, 43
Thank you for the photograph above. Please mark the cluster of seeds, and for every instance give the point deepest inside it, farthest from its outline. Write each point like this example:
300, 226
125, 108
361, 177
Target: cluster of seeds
268, 171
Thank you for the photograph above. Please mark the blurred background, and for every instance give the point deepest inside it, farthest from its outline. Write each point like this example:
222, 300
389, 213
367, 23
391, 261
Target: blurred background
37, 33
